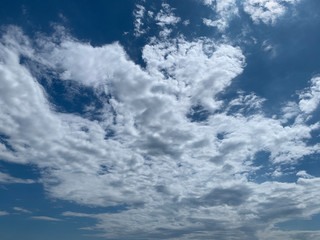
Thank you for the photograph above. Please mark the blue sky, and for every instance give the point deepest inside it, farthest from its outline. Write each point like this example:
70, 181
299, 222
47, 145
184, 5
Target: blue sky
139, 120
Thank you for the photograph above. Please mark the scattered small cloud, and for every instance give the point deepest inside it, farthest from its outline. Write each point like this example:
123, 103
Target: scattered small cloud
310, 97
19, 209
166, 16
76, 214
269, 48
7, 179
4, 213
304, 174
186, 22
225, 11
139, 14
45, 218
267, 11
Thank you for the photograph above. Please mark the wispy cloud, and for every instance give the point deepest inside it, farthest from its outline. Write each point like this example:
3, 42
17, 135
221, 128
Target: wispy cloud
166, 16
138, 23
45, 218
225, 10
3, 213
19, 209
76, 214
7, 179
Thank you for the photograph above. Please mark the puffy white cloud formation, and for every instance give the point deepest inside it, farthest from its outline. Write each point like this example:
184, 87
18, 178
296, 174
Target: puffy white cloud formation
180, 161
166, 16
265, 11
310, 99
225, 9
165, 20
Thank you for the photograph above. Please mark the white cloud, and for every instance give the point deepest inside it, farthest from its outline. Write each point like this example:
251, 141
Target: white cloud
75, 214
246, 102
45, 218
165, 32
166, 16
267, 11
3, 213
310, 98
288, 235
186, 22
304, 174
225, 9
290, 110
19, 209
208, 2
7, 179
180, 159
217, 65
138, 23
246, 211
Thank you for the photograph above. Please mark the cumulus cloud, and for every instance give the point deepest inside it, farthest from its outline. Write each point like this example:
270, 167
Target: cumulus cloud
267, 11
260, 11
225, 9
166, 16
304, 174
165, 19
179, 158
310, 98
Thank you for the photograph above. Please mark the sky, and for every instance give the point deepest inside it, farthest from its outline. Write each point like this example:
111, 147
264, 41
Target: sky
160, 119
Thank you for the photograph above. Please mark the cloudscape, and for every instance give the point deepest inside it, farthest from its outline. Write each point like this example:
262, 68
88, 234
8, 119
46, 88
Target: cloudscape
168, 119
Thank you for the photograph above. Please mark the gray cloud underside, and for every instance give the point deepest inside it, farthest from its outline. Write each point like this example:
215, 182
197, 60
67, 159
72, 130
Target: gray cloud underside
180, 176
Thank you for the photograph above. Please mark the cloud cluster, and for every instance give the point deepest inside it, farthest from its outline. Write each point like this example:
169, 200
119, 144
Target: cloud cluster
267, 11
260, 11
181, 161
166, 16
138, 23
310, 98
163, 20
225, 11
